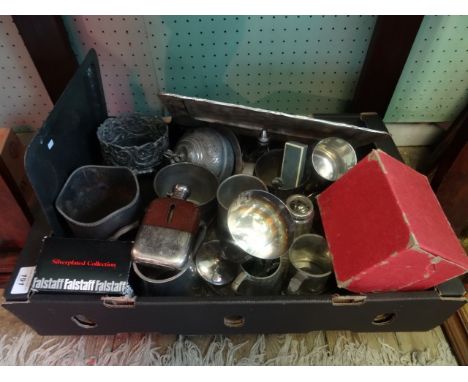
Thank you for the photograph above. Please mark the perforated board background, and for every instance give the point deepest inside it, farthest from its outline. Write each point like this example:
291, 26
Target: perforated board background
127, 71
24, 102
433, 86
298, 64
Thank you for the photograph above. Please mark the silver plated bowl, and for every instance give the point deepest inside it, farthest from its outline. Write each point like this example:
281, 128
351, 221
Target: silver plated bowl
135, 141
260, 224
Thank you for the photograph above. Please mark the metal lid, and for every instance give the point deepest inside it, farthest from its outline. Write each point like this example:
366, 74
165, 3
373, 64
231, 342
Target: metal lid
180, 191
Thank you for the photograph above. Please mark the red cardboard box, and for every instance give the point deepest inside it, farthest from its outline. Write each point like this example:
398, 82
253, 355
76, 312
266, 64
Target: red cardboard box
386, 229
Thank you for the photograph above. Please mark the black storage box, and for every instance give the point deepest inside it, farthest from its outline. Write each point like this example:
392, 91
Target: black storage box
68, 140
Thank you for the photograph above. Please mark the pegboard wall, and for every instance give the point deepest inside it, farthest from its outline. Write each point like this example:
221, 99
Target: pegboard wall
24, 102
297, 64
127, 71
433, 86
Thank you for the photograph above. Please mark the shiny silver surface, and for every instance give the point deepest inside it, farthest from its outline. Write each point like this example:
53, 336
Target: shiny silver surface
162, 247
302, 211
208, 148
227, 192
201, 182
260, 277
181, 191
230, 189
311, 263
333, 157
260, 224
212, 267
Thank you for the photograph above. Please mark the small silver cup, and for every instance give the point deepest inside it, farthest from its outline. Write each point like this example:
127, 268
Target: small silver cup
259, 277
302, 211
332, 157
310, 263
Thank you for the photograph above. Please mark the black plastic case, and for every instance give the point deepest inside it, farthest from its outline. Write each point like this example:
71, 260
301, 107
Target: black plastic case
68, 140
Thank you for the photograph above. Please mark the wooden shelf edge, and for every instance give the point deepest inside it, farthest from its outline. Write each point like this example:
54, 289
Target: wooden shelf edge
455, 330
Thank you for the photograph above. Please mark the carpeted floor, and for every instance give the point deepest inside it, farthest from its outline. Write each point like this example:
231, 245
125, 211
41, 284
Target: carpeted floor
25, 347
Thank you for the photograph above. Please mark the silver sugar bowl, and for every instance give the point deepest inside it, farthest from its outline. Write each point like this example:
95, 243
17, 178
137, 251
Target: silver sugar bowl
207, 148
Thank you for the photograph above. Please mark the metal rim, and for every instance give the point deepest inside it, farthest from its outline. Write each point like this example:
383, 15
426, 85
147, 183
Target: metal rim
285, 214
161, 281
306, 201
345, 143
311, 275
168, 167
223, 183
160, 122
100, 221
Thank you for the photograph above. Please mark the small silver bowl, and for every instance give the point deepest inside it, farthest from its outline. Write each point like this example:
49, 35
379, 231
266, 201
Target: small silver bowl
133, 140
212, 267
201, 182
332, 158
260, 224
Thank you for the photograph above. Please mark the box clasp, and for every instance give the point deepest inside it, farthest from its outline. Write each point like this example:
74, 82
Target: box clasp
338, 300
119, 301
